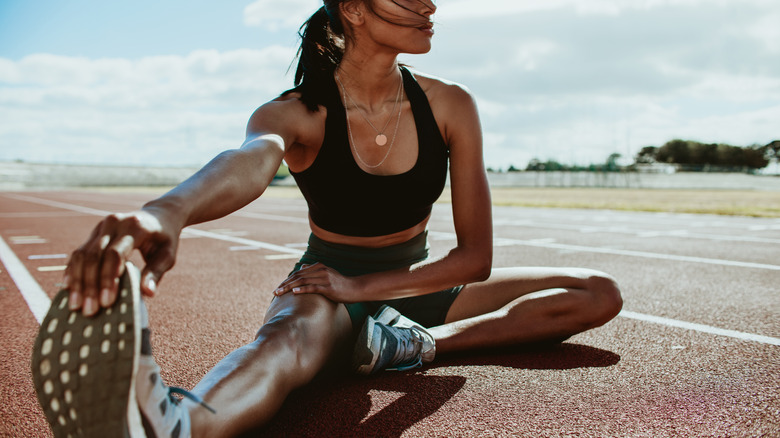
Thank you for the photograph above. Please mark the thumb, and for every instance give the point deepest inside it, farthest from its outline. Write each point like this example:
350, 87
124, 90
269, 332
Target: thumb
149, 281
157, 264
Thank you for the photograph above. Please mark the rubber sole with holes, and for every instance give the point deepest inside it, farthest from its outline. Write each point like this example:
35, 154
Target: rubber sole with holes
84, 367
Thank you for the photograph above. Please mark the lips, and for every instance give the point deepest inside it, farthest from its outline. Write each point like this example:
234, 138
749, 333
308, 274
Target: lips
427, 28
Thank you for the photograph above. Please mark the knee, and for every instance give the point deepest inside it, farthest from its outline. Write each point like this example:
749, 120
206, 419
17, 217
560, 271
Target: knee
298, 338
605, 295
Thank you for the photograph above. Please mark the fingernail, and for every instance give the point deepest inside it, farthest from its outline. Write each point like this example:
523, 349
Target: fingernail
151, 285
105, 297
74, 300
90, 306
296, 289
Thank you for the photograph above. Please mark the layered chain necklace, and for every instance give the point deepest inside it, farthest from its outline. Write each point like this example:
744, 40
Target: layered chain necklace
381, 138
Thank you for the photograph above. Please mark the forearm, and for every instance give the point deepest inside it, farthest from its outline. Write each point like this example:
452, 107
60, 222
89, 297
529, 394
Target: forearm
462, 265
230, 181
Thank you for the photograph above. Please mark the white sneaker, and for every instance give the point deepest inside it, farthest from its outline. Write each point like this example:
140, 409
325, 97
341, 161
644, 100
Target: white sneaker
390, 341
83, 367
161, 413
87, 370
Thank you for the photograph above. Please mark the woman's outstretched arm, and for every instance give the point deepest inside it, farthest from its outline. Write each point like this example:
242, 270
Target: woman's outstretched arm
230, 181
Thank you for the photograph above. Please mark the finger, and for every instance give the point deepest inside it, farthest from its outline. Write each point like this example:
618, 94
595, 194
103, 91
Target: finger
295, 276
90, 271
309, 289
92, 260
300, 279
112, 267
158, 263
73, 281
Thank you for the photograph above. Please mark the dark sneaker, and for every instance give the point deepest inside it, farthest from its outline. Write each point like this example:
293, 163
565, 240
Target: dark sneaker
91, 373
390, 341
83, 367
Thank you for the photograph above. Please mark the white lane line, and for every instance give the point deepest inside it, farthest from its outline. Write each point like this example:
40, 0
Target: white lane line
272, 217
439, 235
50, 203
186, 231
43, 214
52, 268
700, 327
590, 229
36, 298
540, 243
242, 241
47, 256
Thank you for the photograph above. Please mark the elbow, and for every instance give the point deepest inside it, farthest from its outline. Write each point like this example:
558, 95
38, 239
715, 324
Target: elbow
482, 266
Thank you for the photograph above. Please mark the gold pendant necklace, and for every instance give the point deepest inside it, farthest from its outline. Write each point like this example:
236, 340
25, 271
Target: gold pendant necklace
380, 139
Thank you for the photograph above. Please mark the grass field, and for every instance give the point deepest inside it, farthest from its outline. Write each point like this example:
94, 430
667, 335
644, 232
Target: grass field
755, 203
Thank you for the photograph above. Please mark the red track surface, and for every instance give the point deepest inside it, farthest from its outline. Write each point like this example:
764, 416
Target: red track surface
673, 377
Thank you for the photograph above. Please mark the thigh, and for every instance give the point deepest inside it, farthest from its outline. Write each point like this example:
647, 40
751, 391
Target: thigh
507, 284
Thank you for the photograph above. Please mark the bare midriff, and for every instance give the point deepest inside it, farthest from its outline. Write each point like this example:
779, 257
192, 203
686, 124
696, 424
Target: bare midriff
372, 241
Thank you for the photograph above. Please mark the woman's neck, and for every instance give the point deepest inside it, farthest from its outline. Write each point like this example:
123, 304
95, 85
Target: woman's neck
370, 80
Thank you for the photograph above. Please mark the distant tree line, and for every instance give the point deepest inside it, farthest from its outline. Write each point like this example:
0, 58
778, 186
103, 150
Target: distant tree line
692, 155
688, 155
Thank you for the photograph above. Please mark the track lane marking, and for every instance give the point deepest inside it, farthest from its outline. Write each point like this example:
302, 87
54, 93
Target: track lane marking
699, 327
439, 235
242, 241
540, 243
36, 298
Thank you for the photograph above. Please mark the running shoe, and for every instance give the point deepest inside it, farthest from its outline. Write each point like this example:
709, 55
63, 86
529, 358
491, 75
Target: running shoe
390, 341
87, 370
161, 412
83, 367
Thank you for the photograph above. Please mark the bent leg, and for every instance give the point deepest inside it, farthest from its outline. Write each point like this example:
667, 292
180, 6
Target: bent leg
247, 387
525, 305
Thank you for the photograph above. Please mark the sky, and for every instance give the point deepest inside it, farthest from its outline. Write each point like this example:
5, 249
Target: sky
173, 83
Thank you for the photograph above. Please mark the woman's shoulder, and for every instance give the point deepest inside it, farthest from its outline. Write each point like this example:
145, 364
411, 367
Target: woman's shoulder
285, 107
287, 115
440, 90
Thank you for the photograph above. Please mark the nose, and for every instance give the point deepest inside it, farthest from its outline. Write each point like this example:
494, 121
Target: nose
428, 7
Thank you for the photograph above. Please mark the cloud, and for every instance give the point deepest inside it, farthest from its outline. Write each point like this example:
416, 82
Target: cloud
576, 81
163, 109
563, 79
275, 15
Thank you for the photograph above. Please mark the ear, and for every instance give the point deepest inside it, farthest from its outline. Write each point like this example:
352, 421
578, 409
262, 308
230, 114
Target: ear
353, 12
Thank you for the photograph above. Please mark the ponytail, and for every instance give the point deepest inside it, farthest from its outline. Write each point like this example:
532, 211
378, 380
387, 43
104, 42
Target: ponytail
319, 54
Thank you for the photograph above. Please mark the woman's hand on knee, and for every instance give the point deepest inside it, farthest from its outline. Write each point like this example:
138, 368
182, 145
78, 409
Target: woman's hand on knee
322, 280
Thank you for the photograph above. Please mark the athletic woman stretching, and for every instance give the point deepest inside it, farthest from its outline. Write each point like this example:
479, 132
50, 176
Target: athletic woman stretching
369, 143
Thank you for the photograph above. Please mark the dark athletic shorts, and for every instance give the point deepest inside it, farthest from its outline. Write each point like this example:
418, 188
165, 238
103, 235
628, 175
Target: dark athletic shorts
428, 310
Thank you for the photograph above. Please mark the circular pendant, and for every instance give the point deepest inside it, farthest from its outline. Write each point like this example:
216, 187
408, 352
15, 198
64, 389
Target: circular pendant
381, 139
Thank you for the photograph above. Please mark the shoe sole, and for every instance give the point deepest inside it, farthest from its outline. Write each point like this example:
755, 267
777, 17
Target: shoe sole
367, 349
84, 367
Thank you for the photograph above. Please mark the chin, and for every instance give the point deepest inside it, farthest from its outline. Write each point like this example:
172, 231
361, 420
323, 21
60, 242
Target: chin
418, 49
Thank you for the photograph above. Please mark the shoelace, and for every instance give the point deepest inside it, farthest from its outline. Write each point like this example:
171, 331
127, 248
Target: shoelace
407, 355
186, 394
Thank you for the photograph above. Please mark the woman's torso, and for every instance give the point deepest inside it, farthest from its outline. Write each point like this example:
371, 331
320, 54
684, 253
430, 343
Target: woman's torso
353, 203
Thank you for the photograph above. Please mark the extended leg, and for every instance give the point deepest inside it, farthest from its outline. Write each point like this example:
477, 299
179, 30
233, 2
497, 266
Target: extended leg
248, 386
523, 305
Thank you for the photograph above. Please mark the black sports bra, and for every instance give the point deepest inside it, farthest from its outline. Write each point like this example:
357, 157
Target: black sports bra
345, 199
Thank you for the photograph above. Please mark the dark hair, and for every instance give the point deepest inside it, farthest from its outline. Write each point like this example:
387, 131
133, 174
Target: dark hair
320, 53
322, 47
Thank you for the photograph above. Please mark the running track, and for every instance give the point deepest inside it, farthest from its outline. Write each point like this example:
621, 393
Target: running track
696, 351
